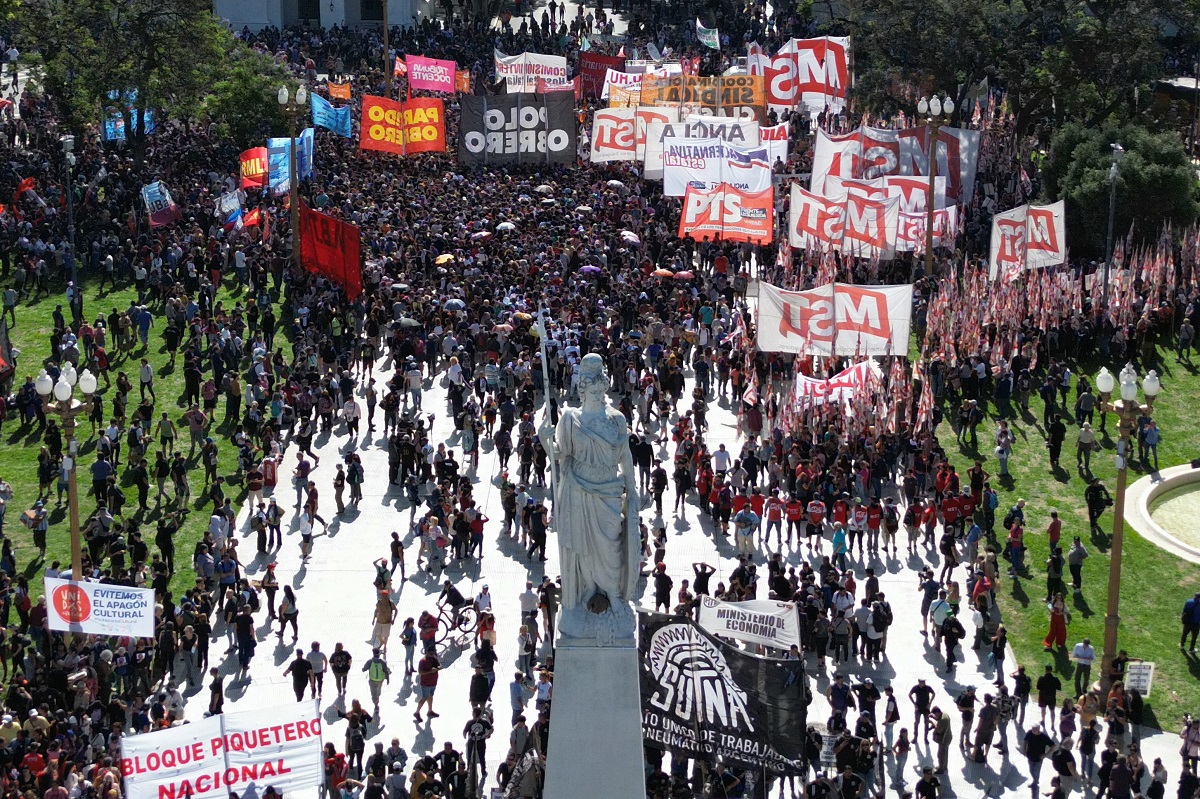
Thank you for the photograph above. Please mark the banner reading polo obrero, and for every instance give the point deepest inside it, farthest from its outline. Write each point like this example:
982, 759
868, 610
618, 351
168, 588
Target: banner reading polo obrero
1028, 237
431, 74
774, 624
520, 72
240, 752
810, 72
838, 319
99, 609
415, 126
727, 213
519, 128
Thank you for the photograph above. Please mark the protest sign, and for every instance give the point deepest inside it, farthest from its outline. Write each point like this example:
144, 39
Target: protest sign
99, 609
835, 319
757, 622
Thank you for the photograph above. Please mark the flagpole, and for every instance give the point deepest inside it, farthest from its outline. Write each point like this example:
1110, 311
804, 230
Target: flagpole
387, 57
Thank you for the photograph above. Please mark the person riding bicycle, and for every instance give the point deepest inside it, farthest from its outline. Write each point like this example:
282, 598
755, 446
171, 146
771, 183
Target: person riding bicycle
452, 597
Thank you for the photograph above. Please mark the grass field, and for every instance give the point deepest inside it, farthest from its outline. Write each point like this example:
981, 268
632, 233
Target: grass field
1155, 584
18, 465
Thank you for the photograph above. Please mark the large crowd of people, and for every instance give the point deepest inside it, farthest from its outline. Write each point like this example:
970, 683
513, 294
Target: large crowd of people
273, 357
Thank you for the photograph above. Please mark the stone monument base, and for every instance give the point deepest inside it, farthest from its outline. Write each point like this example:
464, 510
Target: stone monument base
595, 749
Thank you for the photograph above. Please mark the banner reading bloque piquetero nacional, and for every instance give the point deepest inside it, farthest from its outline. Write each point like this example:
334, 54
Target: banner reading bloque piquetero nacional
99, 609
519, 128
242, 752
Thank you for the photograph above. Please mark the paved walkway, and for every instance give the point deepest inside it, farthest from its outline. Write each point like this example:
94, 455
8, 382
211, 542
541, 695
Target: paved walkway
336, 597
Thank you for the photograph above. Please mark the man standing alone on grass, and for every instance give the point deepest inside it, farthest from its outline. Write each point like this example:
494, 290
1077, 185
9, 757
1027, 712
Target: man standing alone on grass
1191, 621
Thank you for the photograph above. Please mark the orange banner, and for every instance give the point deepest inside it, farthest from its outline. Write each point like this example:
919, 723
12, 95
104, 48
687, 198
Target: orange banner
462, 81
743, 96
415, 126
339, 91
728, 214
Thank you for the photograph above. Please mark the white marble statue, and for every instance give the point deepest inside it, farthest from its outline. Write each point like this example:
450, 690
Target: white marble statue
596, 504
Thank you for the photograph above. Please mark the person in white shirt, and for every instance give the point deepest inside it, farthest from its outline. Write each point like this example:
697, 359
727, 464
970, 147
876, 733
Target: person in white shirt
351, 413
483, 602
1084, 655
721, 459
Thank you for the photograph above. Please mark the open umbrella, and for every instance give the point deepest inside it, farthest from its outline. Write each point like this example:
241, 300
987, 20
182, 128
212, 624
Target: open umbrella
545, 188
506, 226
502, 329
630, 237
635, 334
454, 305
408, 321
524, 317
483, 234
401, 286
684, 275
444, 259
663, 273
583, 209
549, 201
590, 270
615, 184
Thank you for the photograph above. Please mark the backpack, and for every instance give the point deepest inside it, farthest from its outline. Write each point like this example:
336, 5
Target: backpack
1009, 518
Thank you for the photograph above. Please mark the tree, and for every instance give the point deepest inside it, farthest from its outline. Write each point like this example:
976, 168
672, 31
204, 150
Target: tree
242, 100
1156, 185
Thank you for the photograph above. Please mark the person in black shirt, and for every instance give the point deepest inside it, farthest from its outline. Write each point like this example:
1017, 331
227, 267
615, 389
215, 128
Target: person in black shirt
849, 784
301, 671
451, 596
703, 572
448, 761
662, 587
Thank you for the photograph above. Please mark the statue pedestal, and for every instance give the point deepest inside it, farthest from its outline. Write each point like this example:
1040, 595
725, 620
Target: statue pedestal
595, 747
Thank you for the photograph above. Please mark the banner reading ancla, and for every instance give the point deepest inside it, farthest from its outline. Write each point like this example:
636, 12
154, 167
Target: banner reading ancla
98, 609
243, 752
760, 622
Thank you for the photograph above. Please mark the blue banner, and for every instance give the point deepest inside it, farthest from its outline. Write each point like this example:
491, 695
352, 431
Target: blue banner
159, 205
114, 123
279, 162
328, 116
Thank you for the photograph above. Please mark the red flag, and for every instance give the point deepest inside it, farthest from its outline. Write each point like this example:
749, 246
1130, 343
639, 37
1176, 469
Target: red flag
252, 218
330, 247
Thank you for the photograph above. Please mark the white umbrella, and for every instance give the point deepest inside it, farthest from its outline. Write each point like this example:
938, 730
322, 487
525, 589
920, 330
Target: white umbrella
583, 209
506, 226
545, 188
615, 184
630, 237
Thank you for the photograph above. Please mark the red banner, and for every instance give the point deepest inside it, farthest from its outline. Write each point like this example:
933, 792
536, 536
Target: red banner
415, 126
593, 68
728, 214
570, 86
254, 168
462, 81
431, 74
330, 247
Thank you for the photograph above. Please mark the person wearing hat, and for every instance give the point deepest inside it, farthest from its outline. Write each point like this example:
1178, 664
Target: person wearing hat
377, 674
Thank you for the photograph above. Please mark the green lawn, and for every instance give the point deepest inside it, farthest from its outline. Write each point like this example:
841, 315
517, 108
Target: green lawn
22, 442
1155, 584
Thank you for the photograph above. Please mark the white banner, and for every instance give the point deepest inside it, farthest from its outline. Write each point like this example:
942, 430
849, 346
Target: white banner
619, 134
910, 235
913, 192
851, 224
840, 388
707, 163
521, 72
99, 609
738, 132
775, 139
814, 73
1028, 237
774, 624
240, 751
623, 80
870, 153
838, 319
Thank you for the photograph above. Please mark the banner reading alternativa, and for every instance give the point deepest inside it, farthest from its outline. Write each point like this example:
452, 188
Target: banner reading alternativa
704, 699
242, 752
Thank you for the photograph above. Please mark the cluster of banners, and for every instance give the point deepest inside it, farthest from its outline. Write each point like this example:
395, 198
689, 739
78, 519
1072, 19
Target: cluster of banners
836, 319
840, 388
330, 247
870, 153
704, 164
522, 128
705, 699
236, 752
740, 96
521, 72
728, 213
873, 219
762, 622
414, 126
1028, 237
814, 73
159, 205
229, 208
99, 609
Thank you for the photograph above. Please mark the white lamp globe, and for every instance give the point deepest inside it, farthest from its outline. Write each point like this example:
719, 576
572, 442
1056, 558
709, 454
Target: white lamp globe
62, 390
43, 384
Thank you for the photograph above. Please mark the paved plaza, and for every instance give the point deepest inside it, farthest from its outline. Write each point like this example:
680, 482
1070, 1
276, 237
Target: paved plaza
335, 597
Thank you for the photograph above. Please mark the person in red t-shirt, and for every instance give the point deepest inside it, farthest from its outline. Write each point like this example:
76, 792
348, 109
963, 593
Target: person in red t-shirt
740, 500
816, 523
757, 502
774, 514
795, 513
951, 513
841, 510
929, 520
874, 522
966, 511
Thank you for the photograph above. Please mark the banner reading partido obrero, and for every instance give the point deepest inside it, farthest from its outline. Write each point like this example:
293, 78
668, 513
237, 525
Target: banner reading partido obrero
99, 609
241, 752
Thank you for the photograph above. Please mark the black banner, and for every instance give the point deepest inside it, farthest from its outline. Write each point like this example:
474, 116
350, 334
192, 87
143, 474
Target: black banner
522, 128
705, 699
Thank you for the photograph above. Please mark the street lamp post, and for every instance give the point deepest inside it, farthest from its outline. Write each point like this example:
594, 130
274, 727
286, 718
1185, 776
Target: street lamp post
1127, 410
58, 398
936, 110
293, 110
68, 146
387, 54
1118, 152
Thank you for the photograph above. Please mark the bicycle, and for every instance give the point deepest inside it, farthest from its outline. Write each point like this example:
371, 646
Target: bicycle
464, 620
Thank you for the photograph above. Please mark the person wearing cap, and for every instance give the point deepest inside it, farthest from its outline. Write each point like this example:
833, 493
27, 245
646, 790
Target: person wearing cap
377, 674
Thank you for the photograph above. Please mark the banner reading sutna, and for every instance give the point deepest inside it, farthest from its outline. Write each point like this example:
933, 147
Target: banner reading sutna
242, 752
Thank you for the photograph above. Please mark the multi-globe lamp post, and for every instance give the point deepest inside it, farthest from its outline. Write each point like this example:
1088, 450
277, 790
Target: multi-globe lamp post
936, 110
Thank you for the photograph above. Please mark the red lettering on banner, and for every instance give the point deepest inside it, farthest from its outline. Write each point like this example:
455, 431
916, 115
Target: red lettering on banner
1012, 242
614, 132
865, 222
821, 318
226, 778
1042, 233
